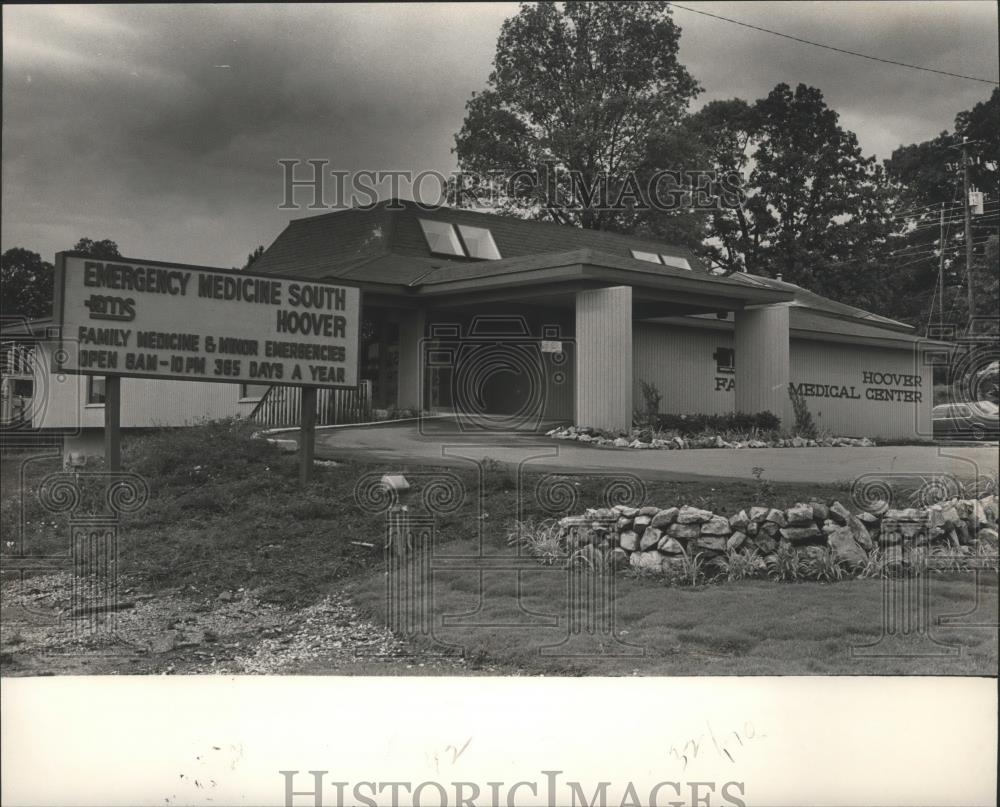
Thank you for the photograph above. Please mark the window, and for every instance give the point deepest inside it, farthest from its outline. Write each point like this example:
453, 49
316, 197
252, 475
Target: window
479, 242
441, 237
96, 389
666, 260
253, 391
676, 262
652, 257
725, 360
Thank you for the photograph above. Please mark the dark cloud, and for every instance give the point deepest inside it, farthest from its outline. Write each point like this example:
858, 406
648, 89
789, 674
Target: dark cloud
161, 126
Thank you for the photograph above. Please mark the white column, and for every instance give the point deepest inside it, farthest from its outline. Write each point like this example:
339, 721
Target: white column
604, 358
761, 344
410, 381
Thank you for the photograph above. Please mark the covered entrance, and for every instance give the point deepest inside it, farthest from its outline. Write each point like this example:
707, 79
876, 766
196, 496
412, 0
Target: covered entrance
501, 367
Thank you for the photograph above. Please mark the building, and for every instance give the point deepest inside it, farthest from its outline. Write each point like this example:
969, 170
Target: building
513, 324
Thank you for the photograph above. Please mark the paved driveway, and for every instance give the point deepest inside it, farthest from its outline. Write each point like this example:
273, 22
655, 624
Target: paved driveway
438, 442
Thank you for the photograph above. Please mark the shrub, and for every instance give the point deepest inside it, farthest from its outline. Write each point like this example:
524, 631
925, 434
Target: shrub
784, 564
822, 566
651, 398
539, 538
804, 425
740, 565
738, 422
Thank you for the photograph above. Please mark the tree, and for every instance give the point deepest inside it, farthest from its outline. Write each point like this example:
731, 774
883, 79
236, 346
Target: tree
98, 249
25, 284
814, 208
253, 256
580, 89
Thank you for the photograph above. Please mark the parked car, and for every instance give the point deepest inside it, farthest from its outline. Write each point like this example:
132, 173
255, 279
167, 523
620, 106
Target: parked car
978, 420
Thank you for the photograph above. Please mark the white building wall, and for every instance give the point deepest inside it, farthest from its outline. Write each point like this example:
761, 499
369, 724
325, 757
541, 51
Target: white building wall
61, 401
679, 361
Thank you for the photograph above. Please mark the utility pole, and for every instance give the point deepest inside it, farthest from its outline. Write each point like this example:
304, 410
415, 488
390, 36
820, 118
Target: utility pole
966, 207
941, 272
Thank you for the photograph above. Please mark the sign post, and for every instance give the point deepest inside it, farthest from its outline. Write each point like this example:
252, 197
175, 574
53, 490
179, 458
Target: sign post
307, 434
113, 423
124, 318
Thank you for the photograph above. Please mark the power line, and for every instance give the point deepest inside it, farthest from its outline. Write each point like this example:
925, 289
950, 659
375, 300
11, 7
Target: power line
831, 47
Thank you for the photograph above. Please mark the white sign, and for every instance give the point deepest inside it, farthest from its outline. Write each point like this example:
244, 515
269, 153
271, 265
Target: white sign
551, 346
158, 320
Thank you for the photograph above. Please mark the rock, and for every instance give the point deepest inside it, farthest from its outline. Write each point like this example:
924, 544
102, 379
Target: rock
685, 531
692, 515
649, 511
843, 517
950, 515
868, 519
820, 511
573, 521
751, 529
736, 540
226, 596
605, 514
639, 523
988, 535
799, 515
909, 529
670, 546
664, 518
758, 514
845, 548
647, 561
629, 541
623, 524
165, 642
618, 558
830, 526
628, 512
679, 442
621, 442
650, 538
740, 521
716, 526
911, 514
764, 544
191, 638
769, 528
776, 517
839, 513
798, 535
709, 543
757, 444
798, 442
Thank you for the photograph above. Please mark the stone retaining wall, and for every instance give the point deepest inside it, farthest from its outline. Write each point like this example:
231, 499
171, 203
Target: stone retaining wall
663, 539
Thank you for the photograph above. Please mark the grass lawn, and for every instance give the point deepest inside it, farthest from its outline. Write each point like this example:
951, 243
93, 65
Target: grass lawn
753, 627
227, 513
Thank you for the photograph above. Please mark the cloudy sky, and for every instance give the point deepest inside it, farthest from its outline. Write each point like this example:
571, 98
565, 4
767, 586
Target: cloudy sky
161, 127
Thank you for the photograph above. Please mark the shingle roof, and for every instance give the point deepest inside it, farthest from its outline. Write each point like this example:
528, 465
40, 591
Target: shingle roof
808, 299
332, 244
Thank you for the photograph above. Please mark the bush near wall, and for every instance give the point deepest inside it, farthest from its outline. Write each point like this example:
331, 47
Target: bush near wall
687, 425
810, 540
640, 437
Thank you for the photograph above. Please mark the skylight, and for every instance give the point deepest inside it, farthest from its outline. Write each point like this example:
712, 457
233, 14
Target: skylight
652, 257
441, 237
676, 262
479, 241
